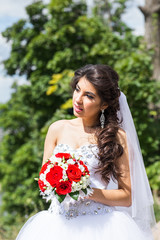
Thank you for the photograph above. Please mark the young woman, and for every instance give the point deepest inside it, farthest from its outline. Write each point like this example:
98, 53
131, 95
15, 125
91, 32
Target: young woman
103, 135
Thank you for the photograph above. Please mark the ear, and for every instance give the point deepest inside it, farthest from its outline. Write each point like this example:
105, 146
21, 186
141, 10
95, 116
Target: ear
104, 106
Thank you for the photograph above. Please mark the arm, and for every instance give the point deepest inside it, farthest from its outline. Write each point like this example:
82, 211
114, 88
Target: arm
122, 195
51, 140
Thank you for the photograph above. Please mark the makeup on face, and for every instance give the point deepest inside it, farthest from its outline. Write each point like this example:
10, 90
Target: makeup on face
86, 102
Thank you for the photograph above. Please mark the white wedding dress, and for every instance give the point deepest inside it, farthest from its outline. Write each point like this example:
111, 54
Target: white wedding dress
84, 219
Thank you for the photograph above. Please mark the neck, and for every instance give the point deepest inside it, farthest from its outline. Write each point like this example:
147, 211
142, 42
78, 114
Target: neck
88, 125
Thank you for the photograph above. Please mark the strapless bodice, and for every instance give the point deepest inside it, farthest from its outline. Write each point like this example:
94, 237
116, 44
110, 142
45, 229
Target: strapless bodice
89, 155
71, 208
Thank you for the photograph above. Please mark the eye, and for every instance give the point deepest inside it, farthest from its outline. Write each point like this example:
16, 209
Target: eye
77, 89
89, 96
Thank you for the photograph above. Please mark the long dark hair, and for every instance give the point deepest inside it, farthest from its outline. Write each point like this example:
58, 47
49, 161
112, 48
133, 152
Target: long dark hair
105, 81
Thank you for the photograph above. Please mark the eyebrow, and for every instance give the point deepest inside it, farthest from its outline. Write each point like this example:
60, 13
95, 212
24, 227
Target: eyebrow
87, 91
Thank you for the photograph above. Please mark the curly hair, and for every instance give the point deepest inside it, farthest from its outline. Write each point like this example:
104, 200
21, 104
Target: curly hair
105, 81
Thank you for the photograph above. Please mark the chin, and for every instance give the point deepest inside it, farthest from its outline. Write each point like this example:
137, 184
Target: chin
76, 114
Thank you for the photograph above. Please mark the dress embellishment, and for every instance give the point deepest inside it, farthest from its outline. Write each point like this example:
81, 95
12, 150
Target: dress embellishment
71, 208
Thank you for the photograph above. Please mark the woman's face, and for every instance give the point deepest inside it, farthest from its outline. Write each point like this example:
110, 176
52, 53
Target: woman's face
86, 102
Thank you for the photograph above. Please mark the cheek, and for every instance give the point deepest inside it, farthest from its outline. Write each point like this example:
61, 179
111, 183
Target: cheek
92, 107
74, 96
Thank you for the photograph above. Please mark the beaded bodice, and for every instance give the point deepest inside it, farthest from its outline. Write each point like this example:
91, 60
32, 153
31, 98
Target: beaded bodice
71, 208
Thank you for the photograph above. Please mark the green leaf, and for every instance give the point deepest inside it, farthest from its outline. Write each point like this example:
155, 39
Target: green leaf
74, 195
60, 198
85, 191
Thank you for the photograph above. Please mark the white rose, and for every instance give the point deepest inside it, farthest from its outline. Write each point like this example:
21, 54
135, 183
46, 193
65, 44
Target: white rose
83, 179
70, 161
64, 166
42, 177
75, 186
81, 167
78, 186
48, 169
52, 159
48, 191
47, 183
65, 177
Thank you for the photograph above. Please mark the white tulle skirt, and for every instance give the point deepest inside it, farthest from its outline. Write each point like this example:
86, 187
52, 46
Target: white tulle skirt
111, 226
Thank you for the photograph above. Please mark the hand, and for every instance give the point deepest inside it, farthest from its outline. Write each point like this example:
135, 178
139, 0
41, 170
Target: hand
90, 196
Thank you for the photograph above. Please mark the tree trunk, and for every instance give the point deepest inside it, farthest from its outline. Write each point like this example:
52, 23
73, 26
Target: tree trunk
151, 12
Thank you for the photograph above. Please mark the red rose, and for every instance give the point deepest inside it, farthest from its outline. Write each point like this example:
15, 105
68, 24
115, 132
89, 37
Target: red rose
81, 162
65, 155
86, 168
42, 186
74, 173
63, 188
44, 167
54, 175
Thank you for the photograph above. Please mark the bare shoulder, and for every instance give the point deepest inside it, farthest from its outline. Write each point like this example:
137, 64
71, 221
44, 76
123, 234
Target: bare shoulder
121, 136
121, 132
59, 125
52, 136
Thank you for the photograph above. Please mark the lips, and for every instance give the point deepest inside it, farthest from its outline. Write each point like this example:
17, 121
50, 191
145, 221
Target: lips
77, 108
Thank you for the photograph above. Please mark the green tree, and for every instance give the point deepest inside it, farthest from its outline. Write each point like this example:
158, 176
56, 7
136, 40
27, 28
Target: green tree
47, 47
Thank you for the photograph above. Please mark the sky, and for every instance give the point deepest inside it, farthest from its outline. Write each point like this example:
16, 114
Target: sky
13, 10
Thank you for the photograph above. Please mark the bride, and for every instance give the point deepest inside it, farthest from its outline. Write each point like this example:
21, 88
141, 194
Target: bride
104, 136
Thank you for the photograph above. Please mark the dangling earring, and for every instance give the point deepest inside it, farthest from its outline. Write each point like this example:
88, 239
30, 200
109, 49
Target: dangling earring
102, 119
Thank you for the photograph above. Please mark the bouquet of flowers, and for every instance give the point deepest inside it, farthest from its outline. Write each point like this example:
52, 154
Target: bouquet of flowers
63, 175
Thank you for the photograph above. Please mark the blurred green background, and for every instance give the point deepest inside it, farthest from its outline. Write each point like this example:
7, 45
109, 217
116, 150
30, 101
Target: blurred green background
47, 47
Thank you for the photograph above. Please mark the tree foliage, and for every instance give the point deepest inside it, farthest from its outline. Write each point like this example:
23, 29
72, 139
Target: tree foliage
55, 40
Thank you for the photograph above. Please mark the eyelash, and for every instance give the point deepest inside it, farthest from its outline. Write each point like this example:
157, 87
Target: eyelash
77, 90
89, 96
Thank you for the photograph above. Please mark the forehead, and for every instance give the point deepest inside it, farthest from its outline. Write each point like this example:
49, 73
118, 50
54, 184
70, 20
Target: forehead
85, 85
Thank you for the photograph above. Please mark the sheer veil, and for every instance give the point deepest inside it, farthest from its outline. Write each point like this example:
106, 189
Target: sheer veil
142, 201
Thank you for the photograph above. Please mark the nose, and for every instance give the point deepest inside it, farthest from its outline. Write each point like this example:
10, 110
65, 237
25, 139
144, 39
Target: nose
79, 99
